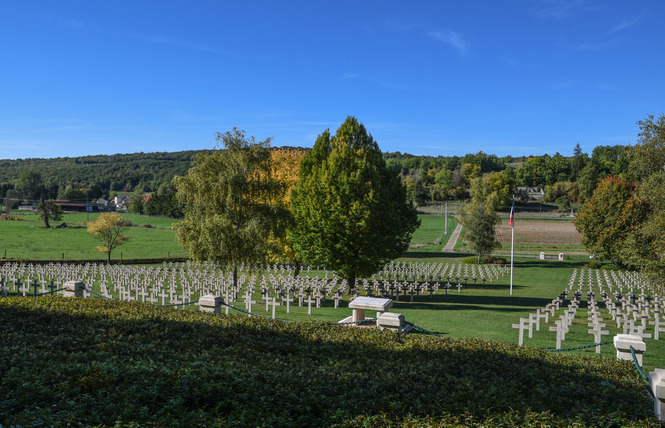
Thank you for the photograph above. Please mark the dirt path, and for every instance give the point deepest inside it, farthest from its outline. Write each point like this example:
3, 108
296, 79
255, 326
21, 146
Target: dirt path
448, 248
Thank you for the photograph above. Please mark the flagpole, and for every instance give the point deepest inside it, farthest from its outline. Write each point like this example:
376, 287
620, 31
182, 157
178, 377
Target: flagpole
512, 244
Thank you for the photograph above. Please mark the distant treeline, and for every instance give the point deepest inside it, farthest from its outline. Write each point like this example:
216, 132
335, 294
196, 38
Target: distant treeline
119, 172
565, 180
428, 179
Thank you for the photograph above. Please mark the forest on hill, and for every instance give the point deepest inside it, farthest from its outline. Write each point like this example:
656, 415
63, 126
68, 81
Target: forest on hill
119, 172
428, 179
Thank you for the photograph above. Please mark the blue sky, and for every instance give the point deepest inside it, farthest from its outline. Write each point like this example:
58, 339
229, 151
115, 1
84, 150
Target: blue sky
508, 77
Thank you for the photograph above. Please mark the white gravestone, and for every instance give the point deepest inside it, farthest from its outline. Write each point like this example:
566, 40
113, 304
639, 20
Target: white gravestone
657, 382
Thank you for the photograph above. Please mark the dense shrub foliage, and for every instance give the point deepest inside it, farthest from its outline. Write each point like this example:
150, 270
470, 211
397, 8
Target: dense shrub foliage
98, 362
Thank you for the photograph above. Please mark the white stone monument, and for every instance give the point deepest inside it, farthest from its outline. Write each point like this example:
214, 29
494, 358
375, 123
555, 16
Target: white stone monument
623, 342
361, 304
74, 288
393, 321
210, 303
657, 382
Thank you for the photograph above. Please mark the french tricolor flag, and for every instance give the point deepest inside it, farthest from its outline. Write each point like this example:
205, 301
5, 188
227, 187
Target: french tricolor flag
512, 215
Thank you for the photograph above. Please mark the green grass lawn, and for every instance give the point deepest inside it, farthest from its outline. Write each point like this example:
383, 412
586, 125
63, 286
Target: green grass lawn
29, 239
432, 228
488, 312
484, 312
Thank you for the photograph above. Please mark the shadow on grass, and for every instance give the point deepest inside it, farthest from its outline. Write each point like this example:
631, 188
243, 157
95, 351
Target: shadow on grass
432, 255
469, 302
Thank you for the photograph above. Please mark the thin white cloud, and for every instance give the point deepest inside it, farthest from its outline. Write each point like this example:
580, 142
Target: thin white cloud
451, 38
623, 25
627, 23
348, 76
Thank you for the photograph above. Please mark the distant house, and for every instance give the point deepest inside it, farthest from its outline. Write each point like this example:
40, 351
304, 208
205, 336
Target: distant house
534, 193
146, 197
121, 201
102, 204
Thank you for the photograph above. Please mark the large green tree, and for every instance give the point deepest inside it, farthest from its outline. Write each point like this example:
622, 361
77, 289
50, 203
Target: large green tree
351, 212
227, 215
48, 210
648, 156
608, 218
645, 246
31, 185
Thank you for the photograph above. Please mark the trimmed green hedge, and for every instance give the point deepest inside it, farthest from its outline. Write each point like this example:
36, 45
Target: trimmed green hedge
101, 363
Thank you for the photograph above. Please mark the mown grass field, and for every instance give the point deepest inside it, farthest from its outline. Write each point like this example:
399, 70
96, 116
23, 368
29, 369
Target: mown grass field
28, 239
432, 228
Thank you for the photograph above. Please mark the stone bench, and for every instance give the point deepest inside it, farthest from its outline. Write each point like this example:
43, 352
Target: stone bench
361, 304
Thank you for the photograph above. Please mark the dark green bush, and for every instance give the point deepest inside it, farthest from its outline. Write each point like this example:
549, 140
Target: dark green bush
94, 362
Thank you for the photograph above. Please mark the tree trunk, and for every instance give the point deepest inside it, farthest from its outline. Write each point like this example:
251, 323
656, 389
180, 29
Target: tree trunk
108, 258
235, 274
296, 270
44, 209
352, 280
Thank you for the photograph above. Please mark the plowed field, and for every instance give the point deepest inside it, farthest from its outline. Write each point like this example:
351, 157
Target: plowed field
541, 235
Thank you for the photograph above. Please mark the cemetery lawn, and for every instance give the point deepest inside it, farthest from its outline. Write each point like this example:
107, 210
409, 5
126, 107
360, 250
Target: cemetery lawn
29, 240
112, 363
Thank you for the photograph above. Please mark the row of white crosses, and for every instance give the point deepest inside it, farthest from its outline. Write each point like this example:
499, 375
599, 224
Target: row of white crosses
410, 271
633, 315
175, 283
179, 283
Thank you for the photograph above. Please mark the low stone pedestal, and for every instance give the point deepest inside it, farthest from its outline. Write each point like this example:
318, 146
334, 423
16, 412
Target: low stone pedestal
657, 382
623, 342
393, 321
210, 303
74, 289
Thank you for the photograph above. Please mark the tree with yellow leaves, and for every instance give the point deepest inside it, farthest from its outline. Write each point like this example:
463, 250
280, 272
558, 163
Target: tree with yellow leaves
108, 229
228, 199
283, 171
